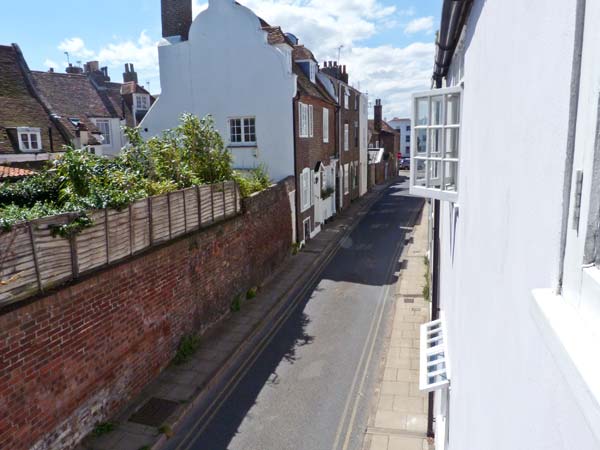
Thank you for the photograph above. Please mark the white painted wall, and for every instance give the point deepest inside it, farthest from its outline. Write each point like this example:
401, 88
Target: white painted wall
227, 69
507, 391
364, 141
403, 125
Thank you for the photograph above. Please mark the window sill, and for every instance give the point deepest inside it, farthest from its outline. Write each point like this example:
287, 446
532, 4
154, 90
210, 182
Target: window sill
242, 146
574, 345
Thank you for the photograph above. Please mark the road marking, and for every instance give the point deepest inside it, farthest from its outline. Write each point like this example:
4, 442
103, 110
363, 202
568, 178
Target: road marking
215, 406
375, 325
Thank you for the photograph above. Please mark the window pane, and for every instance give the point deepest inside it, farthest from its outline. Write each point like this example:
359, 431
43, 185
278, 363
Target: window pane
452, 109
422, 111
421, 142
450, 175
420, 173
451, 144
34, 141
436, 142
435, 175
236, 130
25, 141
436, 110
249, 130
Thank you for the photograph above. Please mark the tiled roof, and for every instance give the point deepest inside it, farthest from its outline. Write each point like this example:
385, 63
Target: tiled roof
7, 172
277, 36
19, 107
301, 53
306, 87
73, 96
384, 127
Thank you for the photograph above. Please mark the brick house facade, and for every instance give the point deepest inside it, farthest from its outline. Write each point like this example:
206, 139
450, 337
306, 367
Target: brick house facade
315, 150
348, 132
384, 136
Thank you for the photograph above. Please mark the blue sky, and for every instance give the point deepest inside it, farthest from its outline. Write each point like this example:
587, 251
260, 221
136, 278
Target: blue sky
388, 45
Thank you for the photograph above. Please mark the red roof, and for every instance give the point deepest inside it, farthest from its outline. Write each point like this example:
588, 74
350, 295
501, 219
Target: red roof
7, 172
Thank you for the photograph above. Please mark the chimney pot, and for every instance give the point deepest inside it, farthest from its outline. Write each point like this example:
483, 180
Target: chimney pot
176, 18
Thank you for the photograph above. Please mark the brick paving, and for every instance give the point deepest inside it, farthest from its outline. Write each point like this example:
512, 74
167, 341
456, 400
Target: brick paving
399, 417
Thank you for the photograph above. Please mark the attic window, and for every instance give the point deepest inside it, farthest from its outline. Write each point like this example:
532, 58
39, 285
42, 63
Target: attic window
142, 102
29, 139
75, 121
313, 72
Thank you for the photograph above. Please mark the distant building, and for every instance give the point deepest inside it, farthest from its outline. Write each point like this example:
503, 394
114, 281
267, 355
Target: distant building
382, 135
402, 126
41, 112
29, 135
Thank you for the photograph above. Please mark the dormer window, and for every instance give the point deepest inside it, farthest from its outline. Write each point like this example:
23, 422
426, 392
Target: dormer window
30, 139
75, 121
142, 102
313, 72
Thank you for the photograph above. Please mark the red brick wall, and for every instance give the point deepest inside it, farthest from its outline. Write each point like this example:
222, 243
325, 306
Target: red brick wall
74, 357
311, 150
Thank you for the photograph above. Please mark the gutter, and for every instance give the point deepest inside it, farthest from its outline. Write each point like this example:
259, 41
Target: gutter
295, 100
454, 17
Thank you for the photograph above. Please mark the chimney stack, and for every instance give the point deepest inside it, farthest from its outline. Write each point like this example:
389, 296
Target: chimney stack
73, 69
91, 66
378, 115
130, 74
176, 18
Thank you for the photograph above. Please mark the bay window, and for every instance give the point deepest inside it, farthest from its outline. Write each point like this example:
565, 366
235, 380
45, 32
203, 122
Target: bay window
435, 143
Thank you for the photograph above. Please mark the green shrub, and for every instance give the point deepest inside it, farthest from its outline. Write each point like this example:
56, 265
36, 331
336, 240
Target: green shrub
191, 153
236, 304
251, 293
187, 347
103, 428
255, 180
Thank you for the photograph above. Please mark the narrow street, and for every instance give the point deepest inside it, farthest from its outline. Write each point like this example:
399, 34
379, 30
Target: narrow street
310, 388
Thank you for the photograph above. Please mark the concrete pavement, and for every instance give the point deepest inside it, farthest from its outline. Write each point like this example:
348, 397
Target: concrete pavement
399, 418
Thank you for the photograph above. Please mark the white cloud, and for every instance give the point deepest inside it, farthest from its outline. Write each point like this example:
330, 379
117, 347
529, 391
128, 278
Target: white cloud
49, 63
422, 24
142, 53
386, 72
75, 47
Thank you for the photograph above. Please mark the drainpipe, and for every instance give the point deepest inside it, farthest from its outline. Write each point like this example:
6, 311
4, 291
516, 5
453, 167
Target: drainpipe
295, 127
435, 297
573, 108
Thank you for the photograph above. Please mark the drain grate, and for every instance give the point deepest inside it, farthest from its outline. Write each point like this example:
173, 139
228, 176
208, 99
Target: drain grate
155, 412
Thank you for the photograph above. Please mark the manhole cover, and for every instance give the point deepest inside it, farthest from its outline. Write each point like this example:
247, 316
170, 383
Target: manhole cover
155, 412
409, 300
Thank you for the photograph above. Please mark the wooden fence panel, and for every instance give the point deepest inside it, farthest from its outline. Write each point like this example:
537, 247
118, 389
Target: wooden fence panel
206, 204
140, 226
218, 199
119, 245
90, 244
18, 276
191, 208
160, 219
33, 258
53, 252
178, 213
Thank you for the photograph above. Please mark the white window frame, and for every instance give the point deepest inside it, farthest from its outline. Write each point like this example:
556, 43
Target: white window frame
305, 189
142, 102
346, 98
346, 137
29, 132
245, 137
313, 71
326, 125
106, 132
433, 185
305, 117
346, 179
433, 353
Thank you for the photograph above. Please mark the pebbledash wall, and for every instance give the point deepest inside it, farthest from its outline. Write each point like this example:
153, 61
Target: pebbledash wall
72, 358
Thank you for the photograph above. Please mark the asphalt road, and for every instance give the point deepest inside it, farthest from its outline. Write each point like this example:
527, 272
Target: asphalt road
310, 387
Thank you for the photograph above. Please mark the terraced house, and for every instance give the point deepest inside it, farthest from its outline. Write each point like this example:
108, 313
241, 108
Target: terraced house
269, 100
41, 112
